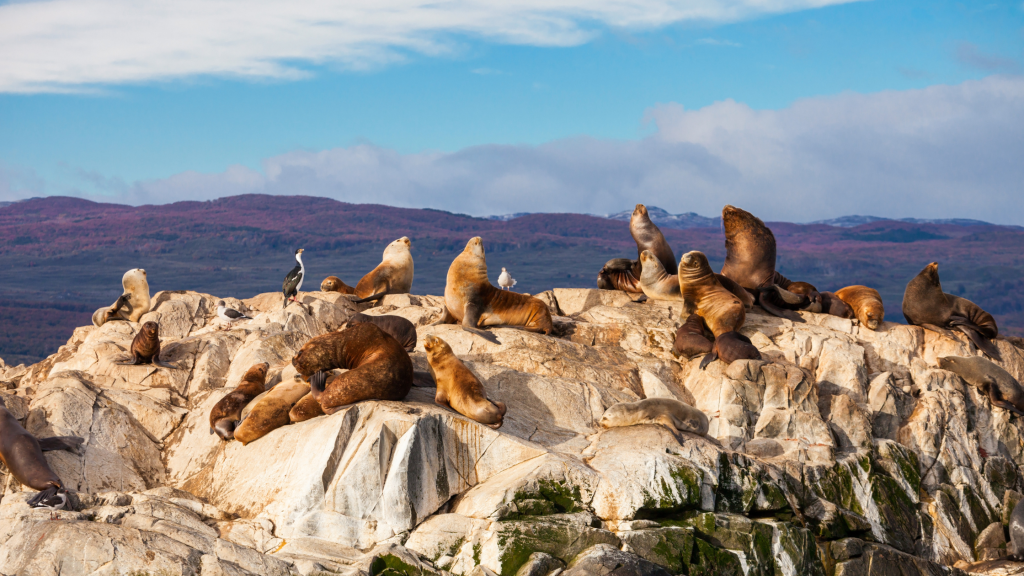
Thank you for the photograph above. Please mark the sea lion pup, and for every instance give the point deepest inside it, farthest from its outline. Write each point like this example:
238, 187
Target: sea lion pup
620, 274
690, 340
730, 347
397, 327
146, 347
672, 414
1002, 388
392, 276
334, 284
133, 303
803, 289
458, 388
471, 300
228, 411
378, 367
271, 411
648, 236
22, 454
866, 304
834, 306
926, 305
703, 294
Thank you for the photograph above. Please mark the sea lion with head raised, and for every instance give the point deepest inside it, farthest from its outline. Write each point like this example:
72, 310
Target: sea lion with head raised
926, 305
471, 300
271, 411
670, 413
133, 303
392, 276
1002, 388
648, 236
334, 284
866, 304
227, 412
378, 367
657, 284
399, 328
146, 347
22, 454
458, 388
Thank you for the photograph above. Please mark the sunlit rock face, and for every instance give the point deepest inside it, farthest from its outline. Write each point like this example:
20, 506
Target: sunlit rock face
843, 451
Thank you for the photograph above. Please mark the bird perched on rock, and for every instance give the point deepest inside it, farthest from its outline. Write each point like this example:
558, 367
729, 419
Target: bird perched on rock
230, 315
505, 280
293, 281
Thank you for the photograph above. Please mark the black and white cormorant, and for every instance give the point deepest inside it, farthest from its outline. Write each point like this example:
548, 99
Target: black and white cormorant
293, 281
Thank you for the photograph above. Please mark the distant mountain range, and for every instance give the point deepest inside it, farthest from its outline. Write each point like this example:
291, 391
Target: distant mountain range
64, 257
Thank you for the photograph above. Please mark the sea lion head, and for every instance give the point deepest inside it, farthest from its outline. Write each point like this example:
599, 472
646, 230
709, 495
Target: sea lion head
435, 346
475, 246
931, 272
614, 416
650, 265
330, 284
874, 315
151, 329
401, 246
257, 371
694, 262
950, 362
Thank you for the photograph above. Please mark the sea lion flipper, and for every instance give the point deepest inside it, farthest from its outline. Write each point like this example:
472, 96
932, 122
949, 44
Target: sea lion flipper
983, 344
446, 318
483, 334
372, 297
708, 359
318, 382
54, 443
764, 298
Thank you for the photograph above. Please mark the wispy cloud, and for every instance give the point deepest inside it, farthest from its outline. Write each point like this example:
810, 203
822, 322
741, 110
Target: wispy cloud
71, 45
487, 71
717, 42
911, 73
969, 54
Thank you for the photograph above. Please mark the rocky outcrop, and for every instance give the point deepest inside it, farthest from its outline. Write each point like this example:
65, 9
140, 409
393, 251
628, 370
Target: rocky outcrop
843, 451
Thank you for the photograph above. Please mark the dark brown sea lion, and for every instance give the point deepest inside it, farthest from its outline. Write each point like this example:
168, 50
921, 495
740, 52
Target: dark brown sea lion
227, 412
399, 328
458, 388
22, 454
648, 236
926, 305
334, 284
378, 367
804, 289
703, 294
730, 347
1002, 388
271, 411
471, 300
866, 304
690, 339
833, 305
620, 274
146, 347
392, 276
670, 413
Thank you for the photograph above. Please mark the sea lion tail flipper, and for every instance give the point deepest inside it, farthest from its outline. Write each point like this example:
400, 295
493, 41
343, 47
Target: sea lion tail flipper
792, 298
54, 443
483, 334
708, 359
983, 344
370, 298
318, 382
446, 318
423, 379
766, 296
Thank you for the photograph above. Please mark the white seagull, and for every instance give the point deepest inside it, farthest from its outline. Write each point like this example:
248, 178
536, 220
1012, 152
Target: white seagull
505, 280
230, 315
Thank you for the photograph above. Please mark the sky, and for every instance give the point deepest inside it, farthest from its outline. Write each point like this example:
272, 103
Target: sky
794, 109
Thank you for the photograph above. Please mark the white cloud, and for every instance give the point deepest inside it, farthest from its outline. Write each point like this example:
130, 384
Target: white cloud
717, 42
68, 45
939, 152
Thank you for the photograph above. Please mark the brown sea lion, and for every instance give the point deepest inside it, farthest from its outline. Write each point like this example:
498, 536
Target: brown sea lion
334, 284
271, 411
866, 304
648, 236
926, 305
471, 300
834, 306
804, 289
146, 347
399, 328
670, 413
392, 276
620, 274
227, 412
305, 409
703, 294
690, 339
1002, 388
655, 281
22, 454
730, 347
378, 367
458, 388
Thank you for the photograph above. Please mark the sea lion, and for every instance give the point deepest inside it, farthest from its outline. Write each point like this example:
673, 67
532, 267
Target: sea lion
392, 276
378, 367
22, 454
1002, 388
672, 414
1015, 546
228, 411
620, 274
926, 305
146, 347
458, 388
730, 347
655, 281
271, 411
834, 306
703, 294
804, 289
471, 300
690, 339
334, 284
133, 303
306, 408
866, 304
648, 236
399, 328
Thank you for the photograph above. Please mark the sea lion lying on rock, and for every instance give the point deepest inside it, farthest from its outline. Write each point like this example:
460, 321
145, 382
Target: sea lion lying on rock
397, 327
227, 412
458, 388
865, 303
672, 414
334, 284
1002, 388
620, 274
271, 411
926, 305
22, 454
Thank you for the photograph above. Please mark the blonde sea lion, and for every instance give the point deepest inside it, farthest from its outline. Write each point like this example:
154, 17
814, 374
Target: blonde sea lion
392, 276
866, 304
471, 300
672, 414
133, 303
334, 284
926, 305
458, 388
271, 411
145, 347
378, 367
227, 412
22, 454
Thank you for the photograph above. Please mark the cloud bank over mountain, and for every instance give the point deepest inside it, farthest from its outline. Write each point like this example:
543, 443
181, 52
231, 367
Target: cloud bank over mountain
939, 152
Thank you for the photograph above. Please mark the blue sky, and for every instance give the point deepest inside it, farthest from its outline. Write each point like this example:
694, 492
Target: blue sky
92, 128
